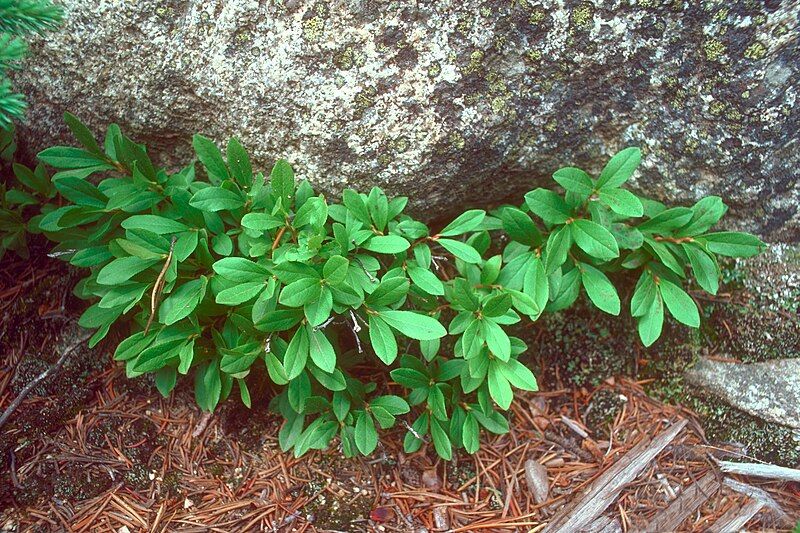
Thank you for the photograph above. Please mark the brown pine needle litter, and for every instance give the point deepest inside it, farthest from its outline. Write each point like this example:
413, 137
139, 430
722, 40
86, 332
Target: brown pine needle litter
125, 459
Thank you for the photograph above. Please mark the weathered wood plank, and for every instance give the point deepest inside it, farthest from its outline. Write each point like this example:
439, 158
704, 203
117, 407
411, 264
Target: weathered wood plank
735, 519
686, 503
605, 489
760, 470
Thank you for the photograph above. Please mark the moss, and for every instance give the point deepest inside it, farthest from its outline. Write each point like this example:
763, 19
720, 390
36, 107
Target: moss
604, 407
756, 51
137, 477
713, 49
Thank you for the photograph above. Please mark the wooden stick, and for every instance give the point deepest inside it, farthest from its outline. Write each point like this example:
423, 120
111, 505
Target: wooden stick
605, 489
41, 377
760, 470
681, 507
735, 519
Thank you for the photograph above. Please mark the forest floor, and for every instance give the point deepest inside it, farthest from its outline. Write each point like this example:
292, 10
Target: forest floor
89, 450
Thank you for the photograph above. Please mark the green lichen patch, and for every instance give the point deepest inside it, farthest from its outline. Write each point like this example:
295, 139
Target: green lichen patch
582, 16
756, 51
603, 409
714, 50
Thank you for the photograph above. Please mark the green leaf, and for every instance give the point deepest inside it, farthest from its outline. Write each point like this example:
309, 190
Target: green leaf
574, 180
239, 162
389, 292
241, 270
496, 339
441, 442
244, 393
667, 220
426, 280
619, 168
122, 269
436, 402
680, 304
382, 339
210, 155
335, 269
182, 301
275, 370
82, 134
156, 224
622, 202
395, 405
238, 294
518, 375
461, 250
165, 381
282, 182
366, 436
80, 192
463, 295
733, 244
704, 267
706, 213
650, 324
464, 223
321, 349
499, 388
261, 222
495, 422
313, 212
133, 346
414, 325
646, 291
520, 227
300, 292
599, 289
594, 239
470, 434
319, 310
497, 305
66, 157
548, 206
386, 244
213, 199
557, 250
158, 355
356, 205
280, 320
408, 377
294, 361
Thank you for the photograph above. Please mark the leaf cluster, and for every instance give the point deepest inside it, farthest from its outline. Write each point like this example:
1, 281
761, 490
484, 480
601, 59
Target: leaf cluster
230, 276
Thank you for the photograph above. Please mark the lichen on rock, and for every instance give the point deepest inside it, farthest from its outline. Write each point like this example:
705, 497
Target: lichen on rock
528, 86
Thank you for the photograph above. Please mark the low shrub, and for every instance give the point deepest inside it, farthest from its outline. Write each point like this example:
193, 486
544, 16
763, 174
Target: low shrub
217, 268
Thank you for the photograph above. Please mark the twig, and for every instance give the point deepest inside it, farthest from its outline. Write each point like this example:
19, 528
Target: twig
38, 379
760, 470
159, 286
201, 426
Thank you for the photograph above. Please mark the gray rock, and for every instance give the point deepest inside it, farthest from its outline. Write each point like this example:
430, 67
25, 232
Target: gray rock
447, 102
768, 390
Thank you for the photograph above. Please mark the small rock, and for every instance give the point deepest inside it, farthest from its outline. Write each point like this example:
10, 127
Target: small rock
187, 503
430, 479
538, 484
555, 463
769, 390
440, 519
380, 514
